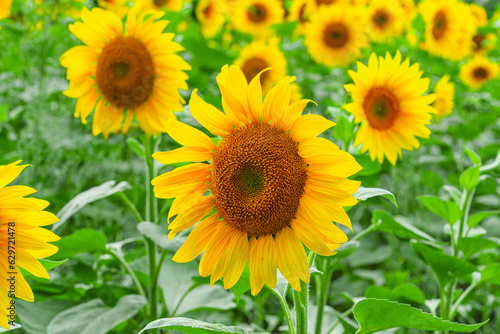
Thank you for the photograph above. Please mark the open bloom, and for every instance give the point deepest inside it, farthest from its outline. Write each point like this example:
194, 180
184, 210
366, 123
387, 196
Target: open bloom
386, 19
22, 240
273, 185
124, 73
257, 16
388, 102
478, 71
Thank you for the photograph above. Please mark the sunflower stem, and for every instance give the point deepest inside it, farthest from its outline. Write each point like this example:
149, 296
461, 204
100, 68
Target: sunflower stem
129, 270
325, 281
286, 310
131, 207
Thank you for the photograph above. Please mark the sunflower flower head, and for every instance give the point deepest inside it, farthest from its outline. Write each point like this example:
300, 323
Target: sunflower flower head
386, 19
477, 71
211, 16
123, 72
22, 240
445, 93
273, 184
257, 16
388, 102
5, 7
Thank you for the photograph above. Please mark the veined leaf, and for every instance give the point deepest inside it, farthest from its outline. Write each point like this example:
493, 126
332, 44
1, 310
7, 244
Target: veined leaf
364, 193
82, 241
190, 326
383, 221
447, 210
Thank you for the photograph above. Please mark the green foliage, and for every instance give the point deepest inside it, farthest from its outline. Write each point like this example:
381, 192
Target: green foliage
191, 326
447, 210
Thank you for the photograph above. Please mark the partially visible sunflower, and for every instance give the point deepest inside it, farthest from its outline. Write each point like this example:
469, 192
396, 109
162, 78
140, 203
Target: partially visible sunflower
315, 4
118, 6
477, 71
273, 184
170, 5
258, 56
257, 16
410, 11
388, 102
5, 7
484, 43
133, 72
449, 28
479, 14
386, 19
22, 241
445, 93
298, 12
211, 17
335, 35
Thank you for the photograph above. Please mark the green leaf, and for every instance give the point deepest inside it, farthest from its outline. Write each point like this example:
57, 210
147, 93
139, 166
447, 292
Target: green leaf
94, 317
491, 274
402, 293
447, 210
35, 317
243, 284
375, 315
473, 156
344, 129
82, 241
346, 249
190, 326
471, 246
445, 266
47, 264
12, 327
206, 297
369, 167
384, 222
84, 273
88, 196
480, 216
470, 178
159, 236
364, 193
136, 147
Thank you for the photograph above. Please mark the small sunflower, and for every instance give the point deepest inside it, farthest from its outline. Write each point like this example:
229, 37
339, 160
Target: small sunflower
257, 16
273, 184
386, 19
409, 10
315, 4
5, 7
484, 43
22, 241
211, 17
479, 14
477, 71
299, 12
388, 102
170, 5
134, 70
118, 6
445, 93
335, 35
449, 28
258, 56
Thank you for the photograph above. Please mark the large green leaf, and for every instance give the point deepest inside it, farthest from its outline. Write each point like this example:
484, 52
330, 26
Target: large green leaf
470, 178
480, 216
370, 167
375, 315
88, 196
365, 193
445, 266
47, 264
471, 246
491, 274
405, 292
35, 317
206, 297
159, 236
82, 241
94, 317
190, 326
447, 210
384, 222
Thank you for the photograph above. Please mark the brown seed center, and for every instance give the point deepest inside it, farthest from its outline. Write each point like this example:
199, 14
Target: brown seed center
257, 13
336, 35
125, 72
253, 66
258, 179
440, 23
381, 18
160, 3
481, 73
325, 2
208, 11
381, 108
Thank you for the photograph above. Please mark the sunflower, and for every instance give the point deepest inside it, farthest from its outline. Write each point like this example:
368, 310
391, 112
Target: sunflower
335, 35
445, 93
315, 4
134, 70
477, 71
479, 14
298, 12
259, 55
273, 184
5, 6
388, 102
23, 241
211, 17
449, 28
386, 19
257, 16
118, 6
409, 11
170, 5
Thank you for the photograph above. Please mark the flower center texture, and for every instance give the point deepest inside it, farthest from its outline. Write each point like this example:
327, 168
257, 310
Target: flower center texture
254, 66
257, 13
439, 25
125, 72
381, 18
209, 10
258, 179
336, 35
381, 108
480, 73
160, 3
326, 2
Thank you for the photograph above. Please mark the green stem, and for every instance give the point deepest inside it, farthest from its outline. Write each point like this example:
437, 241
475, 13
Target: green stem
286, 310
461, 298
300, 301
465, 211
342, 316
326, 280
130, 271
364, 232
442, 305
157, 271
131, 207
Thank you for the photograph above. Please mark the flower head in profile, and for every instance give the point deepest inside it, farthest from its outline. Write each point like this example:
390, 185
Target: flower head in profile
336, 35
445, 93
389, 103
22, 241
477, 71
121, 73
257, 16
266, 188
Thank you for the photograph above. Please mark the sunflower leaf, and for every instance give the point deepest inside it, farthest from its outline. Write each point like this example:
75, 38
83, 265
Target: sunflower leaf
480, 216
375, 315
82, 241
447, 210
384, 222
471, 246
191, 326
47, 264
470, 178
364, 193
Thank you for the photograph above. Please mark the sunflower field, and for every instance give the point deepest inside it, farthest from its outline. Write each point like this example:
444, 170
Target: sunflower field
249, 166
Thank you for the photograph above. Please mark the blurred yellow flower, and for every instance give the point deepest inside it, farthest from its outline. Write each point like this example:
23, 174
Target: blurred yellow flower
211, 17
445, 93
5, 6
299, 12
386, 19
388, 102
257, 16
477, 71
273, 184
23, 242
170, 5
133, 72
118, 6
